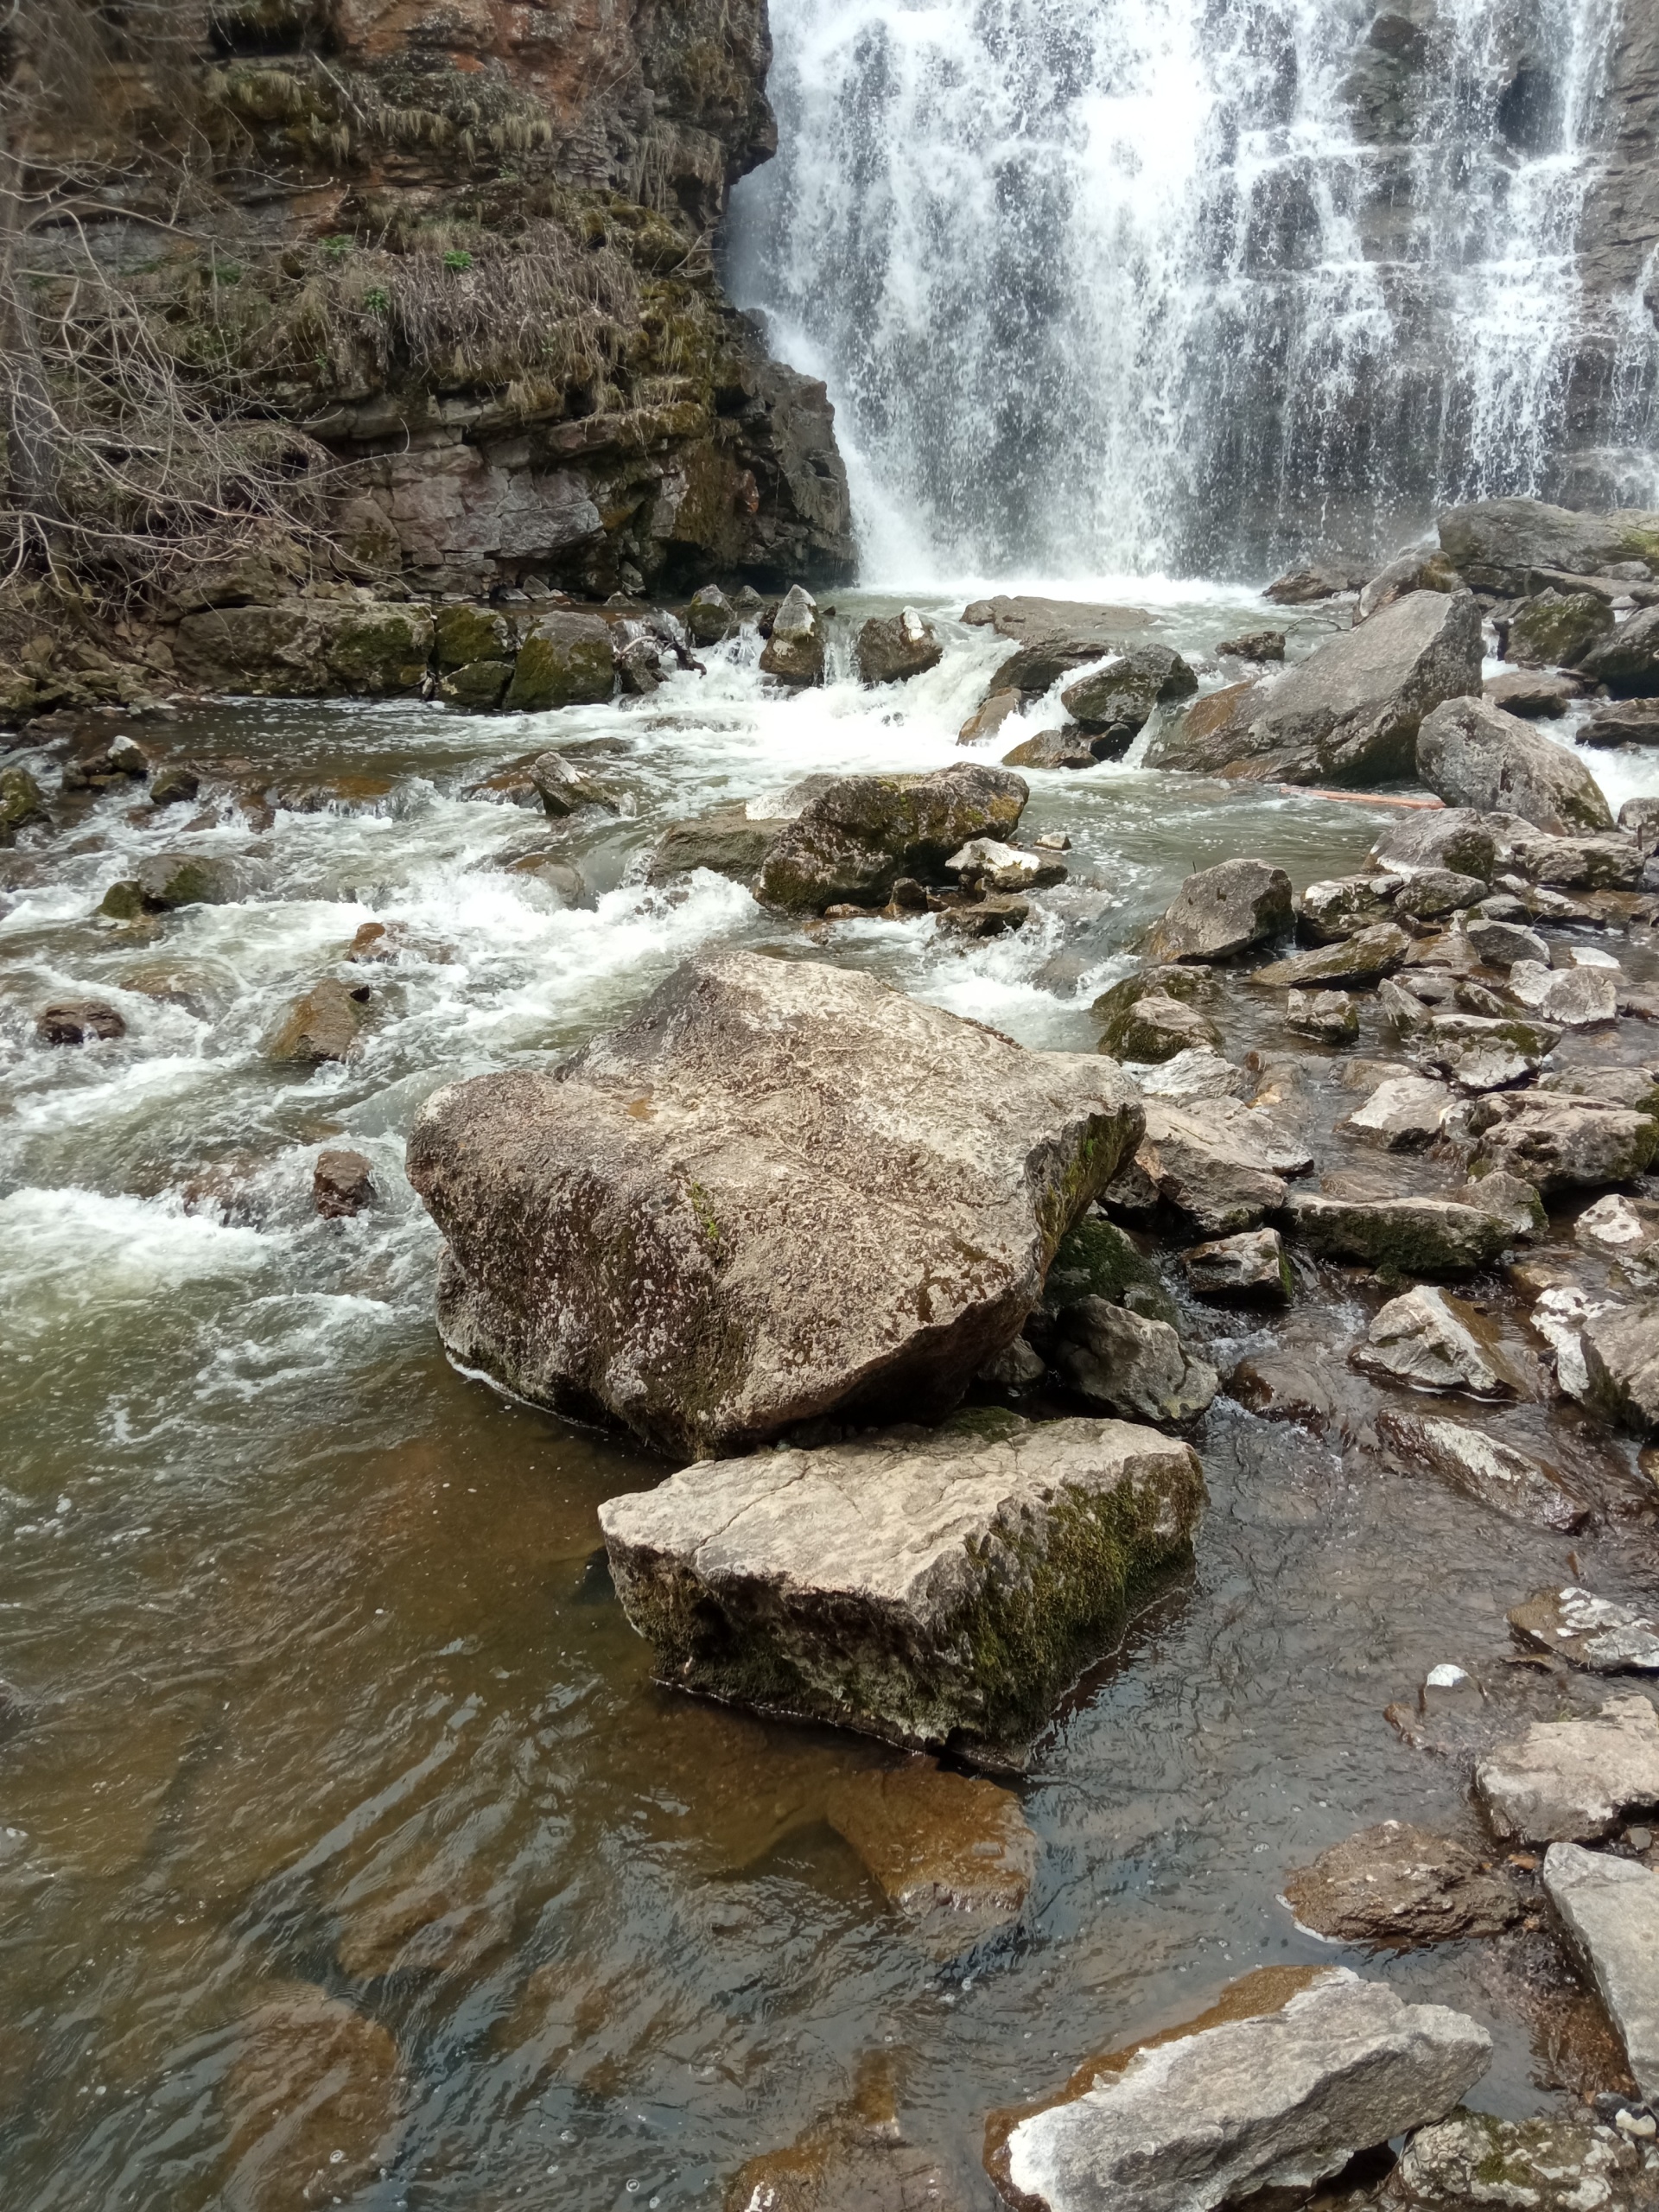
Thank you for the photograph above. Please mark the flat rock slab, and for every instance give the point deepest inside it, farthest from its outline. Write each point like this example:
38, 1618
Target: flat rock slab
1264, 2093
1366, 958
1518, 2165
1559, 1144
1396, 1884
1217, 1160
1482, 1467
1427, 1237
1588, 1631
954, 1854
1574, 1781
780, 1189
939, 1589
1611, 1909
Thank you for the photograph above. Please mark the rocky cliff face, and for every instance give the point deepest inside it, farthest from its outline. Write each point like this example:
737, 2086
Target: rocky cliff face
467, 245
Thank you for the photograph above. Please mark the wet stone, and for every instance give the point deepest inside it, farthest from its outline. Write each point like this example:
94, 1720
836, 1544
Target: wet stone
1621, 1361
1366, 958
1588, 1631
1224, 912
1401, 1115
1327, 912
342, 1184
1253, 644
793, 655
1331, 1016
561, 787
709, 616
1574, 1781
1461, 839
322, 1025
1483, 1468
175, 785
1559, 1144
1221, 1163
1500, 944
1539, 694
1624, 1231
311, 2100
1575, 997
1155, 1028
855, 2159
989, 717
1473, 755
1097, 1259
1610, 1907
1251, 1269
1429, 1340
857, 836
892, 649
1432, 893
172, 879
1483, 1051
986, 918
954, 1854
79, 1021
1397, 1883
1192, 1074
1544, 2165
1131, 1364
1070, 746
1430, 1237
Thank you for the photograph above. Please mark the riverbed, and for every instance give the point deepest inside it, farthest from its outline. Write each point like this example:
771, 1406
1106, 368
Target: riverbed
304, 1624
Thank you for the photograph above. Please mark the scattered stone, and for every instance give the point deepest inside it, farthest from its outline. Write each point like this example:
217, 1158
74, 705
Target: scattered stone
310, 2100
1556, 629
1628, 721
479, 688
1501, 944
1253, 644
1625, 1229
342, 1183
1224, 912
1133, 1366
1188, 984
1396, 1884
173, 880
1271, 2090
855, 839
1191, 1075
1415, 1236
1331, 1016
1344, 905
855, 1196
1401, 1115
1221, 1163
1627, 661
1475, 755
561, 787
937, 1590
1578, 998
986, 863
1481, 1468
1558, 1143
1431, 1341
711, 617
1588, 1631
1484, 1052
1070, 746
1348, 714
1508, 1200
1517, 2166
1122, 696
79, 1021
954, 1854
1422, 569
1251, 1269
175, 785
1366, 958
1610, 1907
323, 1024
1609, 863
1620, 1345
1639, 819
1454, 839
894, 648
1540, 695
794, 653
992, 917
21, 803
1156, 1027
1316, 581
989, 717
1635, 1088
1574, 1781
564, 660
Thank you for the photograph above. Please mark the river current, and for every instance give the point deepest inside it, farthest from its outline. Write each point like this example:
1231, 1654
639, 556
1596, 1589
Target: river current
313, 1635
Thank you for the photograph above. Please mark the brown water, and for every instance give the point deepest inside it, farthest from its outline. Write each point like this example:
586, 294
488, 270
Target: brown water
306, 1627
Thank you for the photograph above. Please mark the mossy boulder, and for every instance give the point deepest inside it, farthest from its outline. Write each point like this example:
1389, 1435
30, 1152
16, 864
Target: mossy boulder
20, 803
184, 879
1557, 629
936, 1590
855, 839
1125, 694
307, 648
462, 635
381, 651
565, 660
1099, 1260
478, 686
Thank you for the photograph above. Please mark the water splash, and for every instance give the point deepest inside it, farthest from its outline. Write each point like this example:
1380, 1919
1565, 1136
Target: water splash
1180, 285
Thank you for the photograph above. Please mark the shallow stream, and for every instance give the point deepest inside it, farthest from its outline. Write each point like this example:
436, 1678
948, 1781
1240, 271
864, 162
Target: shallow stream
302, 1621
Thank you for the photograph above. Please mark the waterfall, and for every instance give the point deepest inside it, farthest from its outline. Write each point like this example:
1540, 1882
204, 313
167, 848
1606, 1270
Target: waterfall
1186, 285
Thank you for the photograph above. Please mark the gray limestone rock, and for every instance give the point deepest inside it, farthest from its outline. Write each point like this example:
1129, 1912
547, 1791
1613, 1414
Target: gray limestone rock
1556, 629
1578, 998
1625, 1231
1628, 661
1395, 1883
1350, 713
1574, 1781
709, 616
1054, 637
794, 653
1473, 755
1588, 1631
935, 1588
1639, 817
1401, 1115
1221, 1163
1559, 1144
1331, 1016
1123, 695
988, 717
561, 787
1630, 722
1432, 893
1192, 1075
1481, 1051
779, 1190
1249, 1269
1495, 544
892, 648
1156, 1027
1432, 1341
1604, 864
1424, 1236
1365, 957
1541, 696
856, 838
1345, 905
1500, 944
1131, 1364
1637, 1088
1546, 2164
1224, 912
1478, 1465
1249, 2098
1620, 1346
1098, 1259
1610, 1907
1455, 838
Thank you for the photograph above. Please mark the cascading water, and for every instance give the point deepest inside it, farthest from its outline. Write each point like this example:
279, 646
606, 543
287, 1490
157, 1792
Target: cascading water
1129, 285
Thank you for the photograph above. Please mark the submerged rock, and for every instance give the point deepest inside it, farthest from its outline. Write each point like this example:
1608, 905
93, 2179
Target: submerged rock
894, 648
953, 1854
1518, 2165
1481, 1467
1222, 912
1348, 714
1331, 1016
310, 2100
727, 842
1401, 1885
780, 1189
1588, 1631
1610, 1907
938, 1589
1431, 1341
1574, 1781
1291, 2074
853, 840
79, 1021
854, 2159
322, 1025
1131, 1364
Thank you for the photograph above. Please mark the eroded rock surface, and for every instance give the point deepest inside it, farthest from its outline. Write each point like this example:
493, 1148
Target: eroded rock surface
1574, 1781
1396, 1884
855, 839
1610, 1907
953, 1854
1545, 2165
1473, 755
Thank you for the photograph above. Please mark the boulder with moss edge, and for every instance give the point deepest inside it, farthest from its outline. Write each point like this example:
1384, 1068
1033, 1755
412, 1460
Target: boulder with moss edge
1427, 1237
1348, 714
793, 654
1495, 544
304, 648
892, 648
1097, 1259
1473, 755
1129, 1364
1556, 629
779, 1190
464, 634
1154, 1027
1123, 695
21, 803
172, 879
1222, 912
564, 660
938, 1588
1365, 957
855, 839
1558, 1143
1569, 2163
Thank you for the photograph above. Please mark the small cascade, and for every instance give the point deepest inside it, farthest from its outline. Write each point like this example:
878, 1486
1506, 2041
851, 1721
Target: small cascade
1184, 285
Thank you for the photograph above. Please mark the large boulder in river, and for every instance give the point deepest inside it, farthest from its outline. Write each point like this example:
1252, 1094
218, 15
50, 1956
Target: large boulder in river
1054, 636
855, 839
1475, 755
1123, 695
1348, 714
894, 648
780, 1189
937, 1590
304, 648
564, 660
1496, 544
1222, 912
794, 653
1628, 661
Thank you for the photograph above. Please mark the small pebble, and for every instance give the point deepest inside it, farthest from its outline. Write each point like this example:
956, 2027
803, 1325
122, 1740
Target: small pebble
1639, 1839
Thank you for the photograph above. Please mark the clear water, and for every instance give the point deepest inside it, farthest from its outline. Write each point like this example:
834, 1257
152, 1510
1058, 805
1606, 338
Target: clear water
1135, 284
301, 1619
